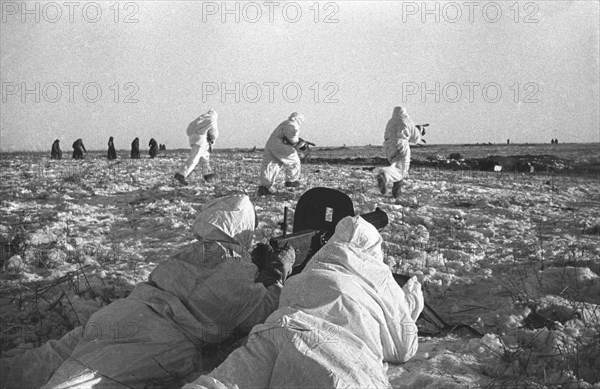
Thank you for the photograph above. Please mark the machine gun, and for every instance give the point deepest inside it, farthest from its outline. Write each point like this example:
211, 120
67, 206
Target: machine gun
317, 213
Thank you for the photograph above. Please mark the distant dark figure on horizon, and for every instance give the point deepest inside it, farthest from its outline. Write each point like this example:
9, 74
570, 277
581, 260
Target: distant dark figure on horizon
153, 148
78, 149
162, 147
112, 153
508, 141
56, 152
556, 141
135, 149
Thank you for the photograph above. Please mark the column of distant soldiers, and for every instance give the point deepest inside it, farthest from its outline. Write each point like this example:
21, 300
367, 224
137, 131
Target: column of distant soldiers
79, 149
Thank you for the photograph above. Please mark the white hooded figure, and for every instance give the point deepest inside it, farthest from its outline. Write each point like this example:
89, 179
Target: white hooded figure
337, 323
400, 131
203, 295
202, 133
280, 151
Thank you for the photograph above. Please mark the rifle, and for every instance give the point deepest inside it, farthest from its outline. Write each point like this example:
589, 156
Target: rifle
302, 144
421, 128
317, 213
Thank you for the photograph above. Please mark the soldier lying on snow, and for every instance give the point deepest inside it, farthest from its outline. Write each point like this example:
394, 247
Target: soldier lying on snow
154, 337
337, 322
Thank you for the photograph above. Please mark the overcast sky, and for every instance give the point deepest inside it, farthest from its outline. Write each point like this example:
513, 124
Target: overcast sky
476, 71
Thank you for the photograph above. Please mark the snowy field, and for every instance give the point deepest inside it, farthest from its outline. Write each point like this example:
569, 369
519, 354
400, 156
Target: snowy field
515, 255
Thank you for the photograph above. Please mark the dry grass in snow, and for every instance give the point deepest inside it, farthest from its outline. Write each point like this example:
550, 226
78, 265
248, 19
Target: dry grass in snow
514, 255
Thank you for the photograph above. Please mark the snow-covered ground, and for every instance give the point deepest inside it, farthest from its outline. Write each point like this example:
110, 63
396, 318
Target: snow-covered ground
516, 256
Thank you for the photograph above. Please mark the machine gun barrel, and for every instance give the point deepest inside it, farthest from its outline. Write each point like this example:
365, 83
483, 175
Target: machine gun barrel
378, 218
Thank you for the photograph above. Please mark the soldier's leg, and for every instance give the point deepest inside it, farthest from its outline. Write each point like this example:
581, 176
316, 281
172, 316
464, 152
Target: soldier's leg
192, 161
269, 170
292, 171
205, 163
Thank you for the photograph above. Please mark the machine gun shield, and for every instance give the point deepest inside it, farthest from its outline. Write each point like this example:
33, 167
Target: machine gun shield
321, 209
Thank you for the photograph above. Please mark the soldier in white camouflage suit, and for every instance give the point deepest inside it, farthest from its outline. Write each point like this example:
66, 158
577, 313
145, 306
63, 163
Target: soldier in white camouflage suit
400, 131
281, 152
202, 133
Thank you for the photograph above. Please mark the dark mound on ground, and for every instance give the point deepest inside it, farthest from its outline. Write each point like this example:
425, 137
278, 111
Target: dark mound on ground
521, 163
524, 163
377, 161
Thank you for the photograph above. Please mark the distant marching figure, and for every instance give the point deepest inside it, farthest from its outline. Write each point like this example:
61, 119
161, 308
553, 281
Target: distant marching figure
153, 148
56, 152
399, 132
280, 152
78, 149
112, 153
202, 134
135, 149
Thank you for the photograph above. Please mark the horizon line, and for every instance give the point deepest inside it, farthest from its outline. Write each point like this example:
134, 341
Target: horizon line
321, 147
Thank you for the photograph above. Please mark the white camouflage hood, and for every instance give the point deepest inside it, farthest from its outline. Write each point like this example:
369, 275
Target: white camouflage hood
360, 234
229, 220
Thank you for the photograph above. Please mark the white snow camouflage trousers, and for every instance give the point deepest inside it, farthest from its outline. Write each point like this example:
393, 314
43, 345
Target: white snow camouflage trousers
272, 164
198, 154
399, 156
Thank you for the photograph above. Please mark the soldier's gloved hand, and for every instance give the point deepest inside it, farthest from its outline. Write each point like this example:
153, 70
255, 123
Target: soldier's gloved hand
279, 268
262, 255
414, 297
286, 257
